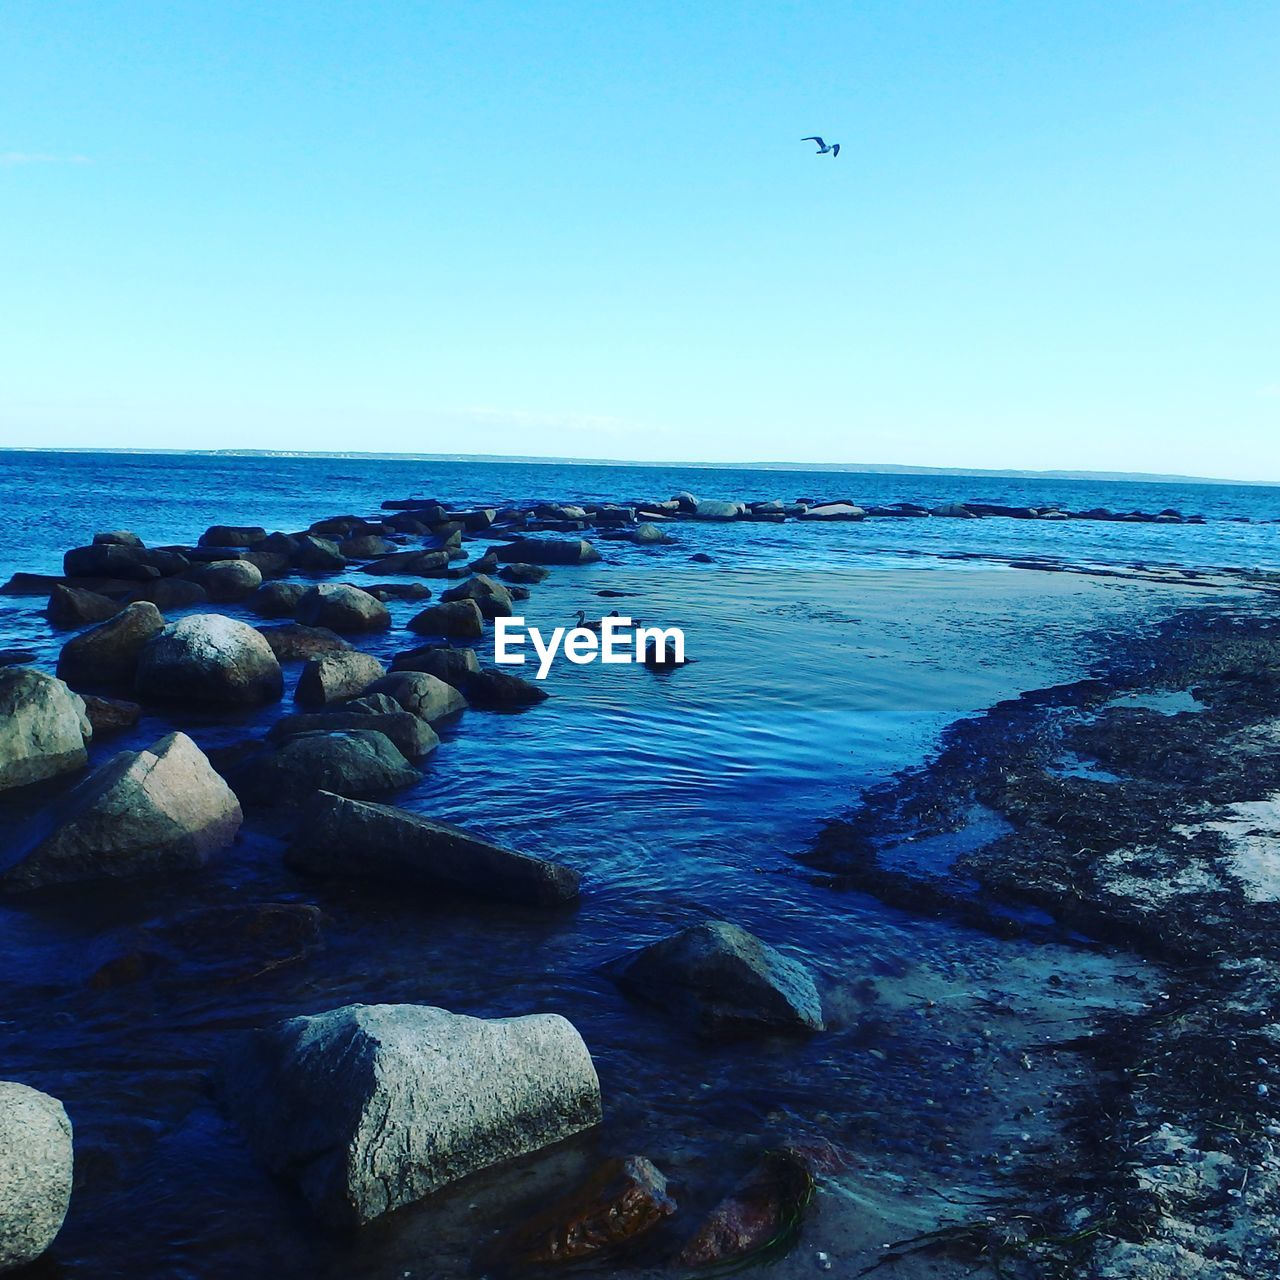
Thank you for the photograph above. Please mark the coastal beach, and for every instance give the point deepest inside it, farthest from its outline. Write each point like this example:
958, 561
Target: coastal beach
823, 774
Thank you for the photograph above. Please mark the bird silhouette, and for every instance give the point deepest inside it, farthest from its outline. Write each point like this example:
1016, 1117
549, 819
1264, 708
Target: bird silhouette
833, 150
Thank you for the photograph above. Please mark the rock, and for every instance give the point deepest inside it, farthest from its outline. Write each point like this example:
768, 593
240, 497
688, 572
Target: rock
385, 591
412, 737
335, 677
338, 837
346, 527
118, 537
43, 728
16, 657
228, 580
169, 561
342, 608
487, 563
168, 594
317, 554
524, 573
685, 501
348, 762
36, 1166
421, 564
492, 597
954, 511
547, 551
376, 703
232, 535
701, 557
835, 511
493, 690
460, 620
764, 1210
453, 666
159, 810
277, 599
711, 510
622, 1199
71, 607
30, 584
426, 696
372, 1107
109, 560
210, 660
107, 656
292, 642
647, 533
111, 715
724, 981
366, 546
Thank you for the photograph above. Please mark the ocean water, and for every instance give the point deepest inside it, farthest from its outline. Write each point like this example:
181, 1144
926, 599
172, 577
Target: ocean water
827, 657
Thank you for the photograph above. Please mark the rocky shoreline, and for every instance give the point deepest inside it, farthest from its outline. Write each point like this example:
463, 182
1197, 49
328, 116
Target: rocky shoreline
340, 1104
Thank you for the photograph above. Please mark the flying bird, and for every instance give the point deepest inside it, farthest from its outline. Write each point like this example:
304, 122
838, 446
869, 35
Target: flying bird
833, 150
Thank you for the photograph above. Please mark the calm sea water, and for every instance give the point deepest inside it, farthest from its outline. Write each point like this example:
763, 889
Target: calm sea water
827, 657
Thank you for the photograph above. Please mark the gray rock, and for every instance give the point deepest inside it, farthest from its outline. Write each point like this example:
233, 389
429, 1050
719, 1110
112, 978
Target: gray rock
35, 1172
292, 642
492, 597
168, 594
209, 660
109, 560
460, 620
371, 1107
385, 591
355, 839
232, 535
348, 762
724, 981
413, 738
144, 812
335, 677
342, 608
377, 703
955, 511
547, 551
493, 690
316, 554
418, 564
228, 580
685, 501
74, 607
366, 546
277, 599
834, 511
709, 509
43, 728
111, 715
426, 696
107, 656
524, 573
453, 666
118, 537
648, 533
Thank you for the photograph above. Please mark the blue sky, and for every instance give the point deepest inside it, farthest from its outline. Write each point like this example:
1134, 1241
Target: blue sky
1050, 239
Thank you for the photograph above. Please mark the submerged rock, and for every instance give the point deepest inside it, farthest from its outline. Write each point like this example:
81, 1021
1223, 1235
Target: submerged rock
648, 533
624, 1198
412, 737
493, 690
43, 728
547, 551
343, 837
292, 642
342, 608
159, 810
75, 607
371, 1107
417, 564
107, 656
337, 676
459, 620
348, 762
426, 696
493, 598
453, 666
232, 535
723, 981
36, 1165
524, 573
211, 660
111, 715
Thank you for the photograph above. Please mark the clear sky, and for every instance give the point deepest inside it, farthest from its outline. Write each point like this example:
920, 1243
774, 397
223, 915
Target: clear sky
1051, 238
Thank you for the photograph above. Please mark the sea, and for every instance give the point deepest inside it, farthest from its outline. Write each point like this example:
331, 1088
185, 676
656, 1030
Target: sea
826, 657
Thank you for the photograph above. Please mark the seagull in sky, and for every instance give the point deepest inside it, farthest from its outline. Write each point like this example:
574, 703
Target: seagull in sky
833, 150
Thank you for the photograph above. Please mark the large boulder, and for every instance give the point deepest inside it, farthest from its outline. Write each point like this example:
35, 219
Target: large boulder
525, 574
292, 642
453, 666
171, 593
109, 560
35, 1172
348, 762
210, 660
427, 696
548, 551
111, 715
418, 564
226, 581
710, 509
413, 738
366, 546
350, 839
106, 656
159, 810
75, 607
336, 676
277, 599
342, 608
43, 728
459, 620
648, 533
492, 597
317, 554
232, 535
834, 511
120, 537
371, 1107
494, 690
724, 981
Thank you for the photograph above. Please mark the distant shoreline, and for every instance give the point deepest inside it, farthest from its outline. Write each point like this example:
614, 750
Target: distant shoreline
832, 468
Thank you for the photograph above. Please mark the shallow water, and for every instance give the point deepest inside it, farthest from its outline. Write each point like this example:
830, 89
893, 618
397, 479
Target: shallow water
822, 664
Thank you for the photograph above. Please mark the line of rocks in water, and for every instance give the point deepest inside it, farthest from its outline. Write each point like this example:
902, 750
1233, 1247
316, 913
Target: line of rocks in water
364, 1108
